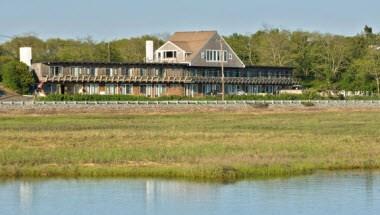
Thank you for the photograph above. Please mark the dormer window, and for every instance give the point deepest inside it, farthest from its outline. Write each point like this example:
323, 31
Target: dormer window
216, 55
170, 54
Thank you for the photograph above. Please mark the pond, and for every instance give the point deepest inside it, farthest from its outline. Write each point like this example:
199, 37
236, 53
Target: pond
322, 193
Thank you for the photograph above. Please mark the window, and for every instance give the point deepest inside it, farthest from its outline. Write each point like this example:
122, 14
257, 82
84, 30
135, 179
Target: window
230, 56
130, 72
86, 71
143, 72
93, 71
125, 89
56, 71
93, 89
202, 55
159, 90
159, 72
216, 56
110, 89
75, 71
170, 54
143, 89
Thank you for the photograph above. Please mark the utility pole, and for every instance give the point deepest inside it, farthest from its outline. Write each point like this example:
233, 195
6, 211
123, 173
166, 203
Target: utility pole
222, 65
109, 52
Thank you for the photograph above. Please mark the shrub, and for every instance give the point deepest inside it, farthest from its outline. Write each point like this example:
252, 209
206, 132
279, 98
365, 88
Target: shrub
3, 60
308, 104
263, 106
16, 76
79, 97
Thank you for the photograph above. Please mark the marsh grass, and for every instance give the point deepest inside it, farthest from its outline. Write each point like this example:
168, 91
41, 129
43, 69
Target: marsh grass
216, 146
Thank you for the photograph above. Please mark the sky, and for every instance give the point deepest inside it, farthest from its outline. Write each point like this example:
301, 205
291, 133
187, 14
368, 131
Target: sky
114, 19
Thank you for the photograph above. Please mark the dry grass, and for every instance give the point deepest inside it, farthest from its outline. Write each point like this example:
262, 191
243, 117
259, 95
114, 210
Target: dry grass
218, 145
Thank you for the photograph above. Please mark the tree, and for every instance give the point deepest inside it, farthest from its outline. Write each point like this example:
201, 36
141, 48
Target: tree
374, 66
39, 48
368, 30
242, 46
133, 49
334, 56
303, 55
3, 60
370, 65
16, 76
274, 47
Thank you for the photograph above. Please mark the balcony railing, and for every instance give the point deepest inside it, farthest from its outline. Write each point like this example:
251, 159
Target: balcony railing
169, 79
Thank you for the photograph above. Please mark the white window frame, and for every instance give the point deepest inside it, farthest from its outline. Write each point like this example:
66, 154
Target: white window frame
216, 56
110, 89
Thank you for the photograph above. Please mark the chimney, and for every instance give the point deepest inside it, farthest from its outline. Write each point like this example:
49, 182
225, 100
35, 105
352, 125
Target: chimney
149, 51
26, 55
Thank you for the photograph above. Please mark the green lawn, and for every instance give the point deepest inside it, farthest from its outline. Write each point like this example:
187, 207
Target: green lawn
196, 145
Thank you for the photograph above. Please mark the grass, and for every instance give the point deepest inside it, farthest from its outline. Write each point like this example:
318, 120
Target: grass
215, 146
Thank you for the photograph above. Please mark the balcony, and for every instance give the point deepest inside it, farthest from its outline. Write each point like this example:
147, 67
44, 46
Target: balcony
170, 79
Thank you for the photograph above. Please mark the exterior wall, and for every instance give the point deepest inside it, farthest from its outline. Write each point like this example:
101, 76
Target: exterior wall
214, 44
154, 80
175, 90
40, 70
136, 89
152, 90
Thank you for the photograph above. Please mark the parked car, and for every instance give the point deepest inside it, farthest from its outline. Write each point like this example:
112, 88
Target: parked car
241, 93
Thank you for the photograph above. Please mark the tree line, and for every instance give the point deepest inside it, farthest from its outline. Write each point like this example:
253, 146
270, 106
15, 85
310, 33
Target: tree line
320, 61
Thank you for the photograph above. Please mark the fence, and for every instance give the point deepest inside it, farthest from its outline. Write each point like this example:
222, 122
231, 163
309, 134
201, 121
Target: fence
235, 102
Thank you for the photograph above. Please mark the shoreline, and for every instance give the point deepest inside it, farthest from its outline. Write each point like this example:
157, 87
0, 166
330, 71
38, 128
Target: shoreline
215, 174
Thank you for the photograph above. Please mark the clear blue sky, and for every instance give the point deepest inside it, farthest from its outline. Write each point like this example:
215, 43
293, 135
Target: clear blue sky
111, 19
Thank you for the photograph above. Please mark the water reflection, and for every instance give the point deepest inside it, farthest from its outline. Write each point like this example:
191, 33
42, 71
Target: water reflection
26, 196
326, 193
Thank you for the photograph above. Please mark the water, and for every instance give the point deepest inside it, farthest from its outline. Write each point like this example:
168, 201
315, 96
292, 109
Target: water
323, 193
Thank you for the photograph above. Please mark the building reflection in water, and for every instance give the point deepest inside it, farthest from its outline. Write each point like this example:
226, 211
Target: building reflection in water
157, 191
26, 196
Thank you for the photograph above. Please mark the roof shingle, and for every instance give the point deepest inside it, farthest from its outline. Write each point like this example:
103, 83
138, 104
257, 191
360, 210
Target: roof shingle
193, 41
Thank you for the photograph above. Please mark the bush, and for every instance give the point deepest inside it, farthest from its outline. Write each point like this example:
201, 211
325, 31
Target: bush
16, 76
3, 60
308, 104
78, 97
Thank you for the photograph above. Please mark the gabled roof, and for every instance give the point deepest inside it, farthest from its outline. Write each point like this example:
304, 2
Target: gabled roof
192, 42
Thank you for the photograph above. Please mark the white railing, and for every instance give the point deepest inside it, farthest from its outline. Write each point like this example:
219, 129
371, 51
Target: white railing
195, 102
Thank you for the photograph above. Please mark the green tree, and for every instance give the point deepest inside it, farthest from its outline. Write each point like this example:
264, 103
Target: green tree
274, 47
303, 55
16, 76
3, 60
242, 46
133, 49
369, 66
334, 55
373, 59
